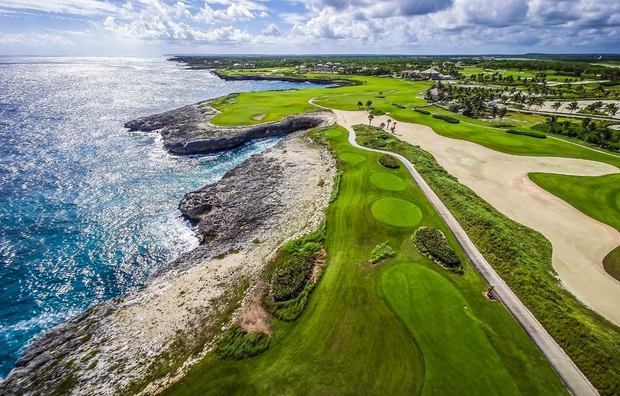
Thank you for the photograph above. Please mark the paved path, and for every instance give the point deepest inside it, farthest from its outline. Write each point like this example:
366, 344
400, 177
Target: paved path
574, 379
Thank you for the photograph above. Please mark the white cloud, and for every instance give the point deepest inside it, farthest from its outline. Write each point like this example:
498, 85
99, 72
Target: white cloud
272, 30
74, 7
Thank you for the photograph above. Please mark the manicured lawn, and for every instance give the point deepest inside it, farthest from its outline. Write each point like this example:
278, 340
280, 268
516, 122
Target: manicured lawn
598, 197
404, 326
275, 105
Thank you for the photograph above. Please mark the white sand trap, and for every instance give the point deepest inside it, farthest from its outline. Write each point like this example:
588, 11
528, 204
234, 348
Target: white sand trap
579, 242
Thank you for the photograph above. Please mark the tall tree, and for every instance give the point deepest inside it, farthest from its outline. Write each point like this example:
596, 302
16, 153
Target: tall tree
370, 118
359, 104
612, 108
556, 106
368, 104
388, 123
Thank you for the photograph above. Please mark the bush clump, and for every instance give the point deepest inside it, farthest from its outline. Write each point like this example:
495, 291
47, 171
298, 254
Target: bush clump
237, 344
381, 252
526, 133
433, 243
446, 118
422, 111
376, 112
294, 265
389, 162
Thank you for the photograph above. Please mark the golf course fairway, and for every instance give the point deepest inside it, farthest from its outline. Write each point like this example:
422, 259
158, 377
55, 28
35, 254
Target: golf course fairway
402, 326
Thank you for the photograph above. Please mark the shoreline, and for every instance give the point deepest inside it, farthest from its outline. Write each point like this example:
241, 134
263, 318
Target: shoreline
185, 304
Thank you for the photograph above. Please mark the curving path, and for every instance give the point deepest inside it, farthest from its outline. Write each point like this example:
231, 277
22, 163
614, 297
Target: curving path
574, 379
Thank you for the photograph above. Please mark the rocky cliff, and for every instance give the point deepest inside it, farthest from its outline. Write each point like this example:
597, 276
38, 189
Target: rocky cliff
187, 130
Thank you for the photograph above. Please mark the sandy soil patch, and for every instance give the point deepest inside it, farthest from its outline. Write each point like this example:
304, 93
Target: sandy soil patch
258, 117
579, 242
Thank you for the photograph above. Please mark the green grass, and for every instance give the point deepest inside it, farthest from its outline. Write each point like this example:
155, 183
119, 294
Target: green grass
239, 109
396, 212
611, 263
522, 257
597, 197
375, 329
387, 181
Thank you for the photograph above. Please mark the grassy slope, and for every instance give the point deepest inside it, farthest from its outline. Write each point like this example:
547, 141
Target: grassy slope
598, 197
522, 257
611, 263
277, 104
405, 326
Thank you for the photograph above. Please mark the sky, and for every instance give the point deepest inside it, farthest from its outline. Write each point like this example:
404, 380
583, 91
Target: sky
157, 27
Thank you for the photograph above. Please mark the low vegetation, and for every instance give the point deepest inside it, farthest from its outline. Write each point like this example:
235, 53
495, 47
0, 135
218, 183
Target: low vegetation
237, 344
611, 263
290, 285
422, 111
381, 252
433, 243
446, 118
389, 161
522, 257
527, 133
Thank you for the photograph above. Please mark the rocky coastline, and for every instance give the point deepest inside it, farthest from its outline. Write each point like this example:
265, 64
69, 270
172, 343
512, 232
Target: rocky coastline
142, 341
332, 82
187, 130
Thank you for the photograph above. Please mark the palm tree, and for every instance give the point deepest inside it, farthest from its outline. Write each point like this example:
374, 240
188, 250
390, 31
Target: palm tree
573, 106
393, 127
388, 123
368, 104
382, 125
370, 117
502, 113
612, 109
359, 104
556, 106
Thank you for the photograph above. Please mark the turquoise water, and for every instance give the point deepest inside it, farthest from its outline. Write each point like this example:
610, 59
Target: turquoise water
88, 210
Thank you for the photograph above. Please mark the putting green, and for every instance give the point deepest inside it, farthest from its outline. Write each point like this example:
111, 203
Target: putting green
352, 158
396, 212
387, 181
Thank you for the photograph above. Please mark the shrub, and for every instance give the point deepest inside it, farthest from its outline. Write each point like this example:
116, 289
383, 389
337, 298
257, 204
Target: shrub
389, 162
381, 252
526, 133
376, 112
237, 344
446, 118
399, 106
422, 111
433, 243
294, 265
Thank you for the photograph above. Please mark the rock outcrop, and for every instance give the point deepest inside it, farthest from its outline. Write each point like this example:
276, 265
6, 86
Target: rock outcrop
121, 346
187, 130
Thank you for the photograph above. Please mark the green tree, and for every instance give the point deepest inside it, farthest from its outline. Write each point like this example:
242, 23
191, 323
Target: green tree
370, 118
359, 104
612, 109
556, 106
388, 123
368, 104
573, 106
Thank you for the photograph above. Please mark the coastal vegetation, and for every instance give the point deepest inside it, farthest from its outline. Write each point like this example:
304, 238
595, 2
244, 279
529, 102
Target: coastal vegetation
381, 252
393, 328
527, 133
522, 257
237, 344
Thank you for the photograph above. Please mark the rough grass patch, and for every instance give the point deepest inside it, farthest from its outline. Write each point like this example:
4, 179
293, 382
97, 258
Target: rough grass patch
446, 118
389, 162
237, 344
381, 252
422, 111
527, 133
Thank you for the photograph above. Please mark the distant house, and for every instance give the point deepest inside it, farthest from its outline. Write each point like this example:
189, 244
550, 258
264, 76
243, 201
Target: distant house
432, 74
437, 94
410, 74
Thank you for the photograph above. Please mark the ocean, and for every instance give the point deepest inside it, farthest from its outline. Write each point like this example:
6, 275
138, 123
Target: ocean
88, 210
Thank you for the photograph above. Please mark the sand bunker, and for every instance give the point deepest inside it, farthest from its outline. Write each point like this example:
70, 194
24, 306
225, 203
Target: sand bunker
579, 242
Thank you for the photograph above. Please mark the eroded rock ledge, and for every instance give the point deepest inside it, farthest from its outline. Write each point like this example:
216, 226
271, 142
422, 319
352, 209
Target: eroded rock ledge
187, 130
121, 346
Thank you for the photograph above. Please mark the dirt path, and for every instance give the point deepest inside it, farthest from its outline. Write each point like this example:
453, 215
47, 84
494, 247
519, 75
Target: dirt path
574, 379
